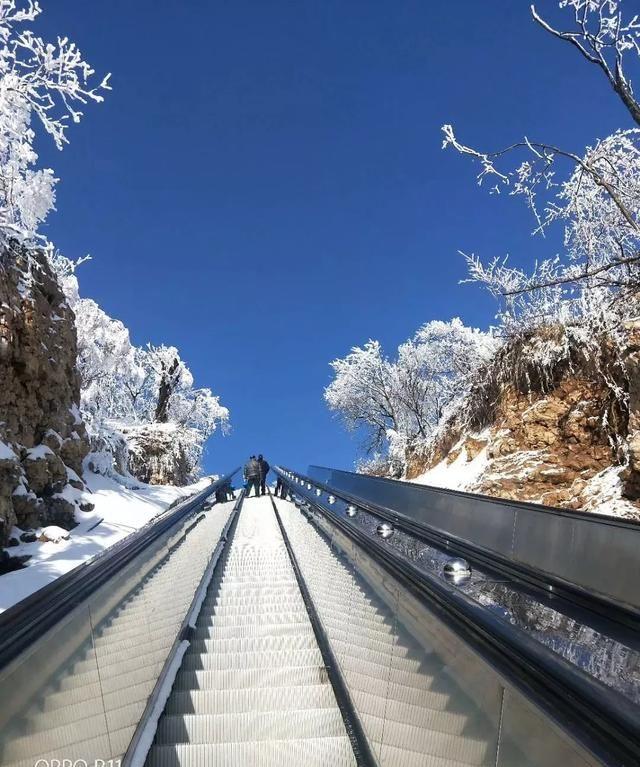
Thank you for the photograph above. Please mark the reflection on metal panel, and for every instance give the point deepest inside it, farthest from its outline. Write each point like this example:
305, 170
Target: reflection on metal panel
566, 545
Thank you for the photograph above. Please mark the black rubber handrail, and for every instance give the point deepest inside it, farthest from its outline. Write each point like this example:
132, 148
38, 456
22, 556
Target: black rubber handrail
25, 622
598, 717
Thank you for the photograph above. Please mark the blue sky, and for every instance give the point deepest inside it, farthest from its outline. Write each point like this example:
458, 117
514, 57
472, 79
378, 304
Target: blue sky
264, 188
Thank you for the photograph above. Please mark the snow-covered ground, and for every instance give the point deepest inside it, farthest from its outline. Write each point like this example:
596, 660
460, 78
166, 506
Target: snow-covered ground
118, 512
460, 474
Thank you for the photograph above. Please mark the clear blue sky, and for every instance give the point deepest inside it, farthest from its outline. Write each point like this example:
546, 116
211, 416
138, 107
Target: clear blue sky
264, 187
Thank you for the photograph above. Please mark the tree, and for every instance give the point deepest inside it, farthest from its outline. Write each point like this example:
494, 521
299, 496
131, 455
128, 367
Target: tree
46, 81
598, 201
125, 386
400, 403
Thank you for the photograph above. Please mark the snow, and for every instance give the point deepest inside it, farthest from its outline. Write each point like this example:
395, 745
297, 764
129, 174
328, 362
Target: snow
604, 492
118, 512
6, 453
55, 534
460, 474
39, 452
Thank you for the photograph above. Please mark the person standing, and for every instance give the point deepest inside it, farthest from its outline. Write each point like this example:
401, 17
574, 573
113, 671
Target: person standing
252, 475
264, 470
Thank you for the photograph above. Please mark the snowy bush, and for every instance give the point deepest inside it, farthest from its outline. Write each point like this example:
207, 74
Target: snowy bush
41, 82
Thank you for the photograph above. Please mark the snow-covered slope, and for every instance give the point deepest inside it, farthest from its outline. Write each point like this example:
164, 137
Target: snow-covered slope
118, 511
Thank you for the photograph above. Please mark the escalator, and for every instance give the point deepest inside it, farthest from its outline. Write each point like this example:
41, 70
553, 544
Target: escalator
252, 688
312, 631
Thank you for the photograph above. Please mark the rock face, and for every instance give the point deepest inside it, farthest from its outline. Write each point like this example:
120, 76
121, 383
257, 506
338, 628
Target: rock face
43, 438
554, 444
631, 474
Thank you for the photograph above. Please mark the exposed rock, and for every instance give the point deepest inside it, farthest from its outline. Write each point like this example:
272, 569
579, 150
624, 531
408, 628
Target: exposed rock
28, 537
39, 393
551, 442
631, 475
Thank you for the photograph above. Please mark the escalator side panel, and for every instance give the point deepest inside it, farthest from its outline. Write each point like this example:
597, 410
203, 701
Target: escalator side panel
89, 677
437, 684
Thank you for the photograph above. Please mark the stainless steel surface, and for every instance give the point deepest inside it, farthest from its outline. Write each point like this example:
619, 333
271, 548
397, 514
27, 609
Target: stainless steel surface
564, 544
384, 529
605, 651
457, 569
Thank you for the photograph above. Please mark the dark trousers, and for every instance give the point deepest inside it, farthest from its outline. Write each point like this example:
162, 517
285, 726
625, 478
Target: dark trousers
253, 482
263, 485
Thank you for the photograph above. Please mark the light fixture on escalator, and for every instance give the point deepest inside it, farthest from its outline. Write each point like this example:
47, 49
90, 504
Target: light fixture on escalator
351, 511
308, 485
385, 530
318, 492
457, 569
331, 499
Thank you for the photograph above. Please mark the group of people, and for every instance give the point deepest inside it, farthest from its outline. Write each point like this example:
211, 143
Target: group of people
255, 475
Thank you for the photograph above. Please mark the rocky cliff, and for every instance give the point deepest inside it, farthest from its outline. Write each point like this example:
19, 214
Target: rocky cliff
568, 437
42, 438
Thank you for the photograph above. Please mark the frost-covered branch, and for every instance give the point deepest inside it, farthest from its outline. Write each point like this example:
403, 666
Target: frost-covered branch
603, 36
48, 81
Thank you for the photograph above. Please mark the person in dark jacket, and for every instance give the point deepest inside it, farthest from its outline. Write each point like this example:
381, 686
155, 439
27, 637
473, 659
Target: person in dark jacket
252, 475
264, 470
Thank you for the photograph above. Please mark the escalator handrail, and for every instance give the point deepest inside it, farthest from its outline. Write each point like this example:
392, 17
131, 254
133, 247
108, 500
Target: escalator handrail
596, 716
25, 622
600, 603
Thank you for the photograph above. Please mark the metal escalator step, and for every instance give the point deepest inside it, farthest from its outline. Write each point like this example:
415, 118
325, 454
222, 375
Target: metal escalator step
363, 646
251, 726
424, 697
245, 620
255, 644
379, 665
391, 756
264, 611
272, 659
251, 700
212, 603
250, 678
257, 630
112, 665
351, 656
374, 640
311, 752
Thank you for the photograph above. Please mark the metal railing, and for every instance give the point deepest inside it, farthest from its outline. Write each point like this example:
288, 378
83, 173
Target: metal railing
564, 695
82, 655
590, 553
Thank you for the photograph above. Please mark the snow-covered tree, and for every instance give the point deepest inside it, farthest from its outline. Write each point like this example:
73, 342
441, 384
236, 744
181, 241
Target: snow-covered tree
399, 403
593, 194
124, 386
40, 82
